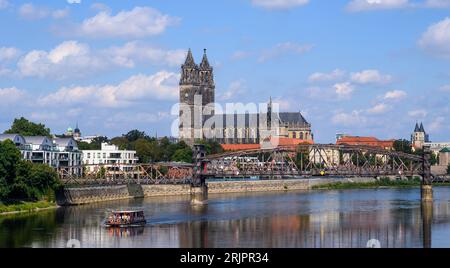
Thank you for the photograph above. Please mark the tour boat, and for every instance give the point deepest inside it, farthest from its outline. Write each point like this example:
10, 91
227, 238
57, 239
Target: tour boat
126, 219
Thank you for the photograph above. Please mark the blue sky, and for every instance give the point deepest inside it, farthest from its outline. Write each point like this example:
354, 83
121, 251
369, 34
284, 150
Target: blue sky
360, 67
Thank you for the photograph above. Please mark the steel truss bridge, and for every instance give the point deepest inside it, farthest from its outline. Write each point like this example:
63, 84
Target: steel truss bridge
278, 163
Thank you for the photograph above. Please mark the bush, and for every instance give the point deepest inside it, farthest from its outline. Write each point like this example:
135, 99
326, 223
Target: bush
448, 170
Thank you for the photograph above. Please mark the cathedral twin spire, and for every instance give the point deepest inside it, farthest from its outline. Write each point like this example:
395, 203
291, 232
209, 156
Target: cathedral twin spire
194, 74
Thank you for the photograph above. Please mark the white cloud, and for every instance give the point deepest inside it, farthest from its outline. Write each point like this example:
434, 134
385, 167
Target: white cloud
321, 77
437, 3
74, 1
378, 109
355, 118
343, 89
395, 95
4, 4
31, 12
160, 86
279, 4
137, 23
235, 89
421, 113
131, 53
73, 59
69, 59
445, 88
8, 53
10, 95
238, 55
282, 49
370, 77
60, 13
436, 40
437, 125
366, 5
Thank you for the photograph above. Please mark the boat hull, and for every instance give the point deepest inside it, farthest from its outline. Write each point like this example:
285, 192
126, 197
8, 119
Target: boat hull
118, 225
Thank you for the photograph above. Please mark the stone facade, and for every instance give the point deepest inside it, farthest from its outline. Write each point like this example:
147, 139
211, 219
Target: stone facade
198, 119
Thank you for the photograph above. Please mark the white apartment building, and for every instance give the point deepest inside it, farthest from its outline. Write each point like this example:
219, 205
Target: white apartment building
109, 157
436, 147
57, 153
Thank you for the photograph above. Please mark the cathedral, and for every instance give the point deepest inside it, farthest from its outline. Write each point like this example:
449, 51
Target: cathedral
198, 119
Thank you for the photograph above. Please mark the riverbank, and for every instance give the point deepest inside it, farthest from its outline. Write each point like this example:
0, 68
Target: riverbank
373, 185
26, 207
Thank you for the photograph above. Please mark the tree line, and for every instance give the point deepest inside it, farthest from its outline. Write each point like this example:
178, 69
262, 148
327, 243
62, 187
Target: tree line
23, 180
150, 149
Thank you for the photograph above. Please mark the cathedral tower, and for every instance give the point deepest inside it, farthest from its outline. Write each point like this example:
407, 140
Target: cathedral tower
197, 90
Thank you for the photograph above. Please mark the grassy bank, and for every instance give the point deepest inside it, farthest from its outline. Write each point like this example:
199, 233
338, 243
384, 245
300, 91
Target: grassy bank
382, 183
25, 207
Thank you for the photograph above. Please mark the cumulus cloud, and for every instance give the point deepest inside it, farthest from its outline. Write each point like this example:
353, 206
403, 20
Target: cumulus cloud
445, 88
136, 23
235, 89
10, 95
69, 59
421, 113
437, 125
8, 53
4, 4
279, 4
395, 95
160, 86
370, 77
74, 59
323, 77
436, 40
31, 12
281, 49
355, 118
132, 52
343, 89
365, 5
437, 3
378, 109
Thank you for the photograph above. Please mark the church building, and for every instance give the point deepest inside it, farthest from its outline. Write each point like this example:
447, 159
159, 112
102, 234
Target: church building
198, 119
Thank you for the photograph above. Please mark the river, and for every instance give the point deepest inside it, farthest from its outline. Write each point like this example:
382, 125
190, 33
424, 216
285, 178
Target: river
314, 219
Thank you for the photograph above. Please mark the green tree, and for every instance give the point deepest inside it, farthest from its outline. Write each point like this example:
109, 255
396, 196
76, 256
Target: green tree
403, 146
144, 150
26, 128
212, 147
183, 155
448, 170
122, 143
135, 135
9, 157
96, 143
33, 181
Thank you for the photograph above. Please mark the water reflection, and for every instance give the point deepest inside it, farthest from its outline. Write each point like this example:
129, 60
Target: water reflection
335, 219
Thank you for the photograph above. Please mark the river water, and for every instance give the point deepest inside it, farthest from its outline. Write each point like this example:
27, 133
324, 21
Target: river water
315, 219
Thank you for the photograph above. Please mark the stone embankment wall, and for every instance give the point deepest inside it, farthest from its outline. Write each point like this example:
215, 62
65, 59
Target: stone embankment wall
86, 195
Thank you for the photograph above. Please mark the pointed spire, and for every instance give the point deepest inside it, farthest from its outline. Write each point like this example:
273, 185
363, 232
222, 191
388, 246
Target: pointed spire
189, 59
205, 63
416, 129
422, 129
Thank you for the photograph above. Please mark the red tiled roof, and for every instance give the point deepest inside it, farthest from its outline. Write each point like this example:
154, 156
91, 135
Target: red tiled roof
240, 147
368, 141
290, 141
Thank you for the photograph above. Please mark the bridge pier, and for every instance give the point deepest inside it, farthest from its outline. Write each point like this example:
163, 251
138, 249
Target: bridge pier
199, 188
426, 187
199, 195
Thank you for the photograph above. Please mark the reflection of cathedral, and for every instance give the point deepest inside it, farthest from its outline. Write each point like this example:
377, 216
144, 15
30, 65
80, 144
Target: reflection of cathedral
197, 90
